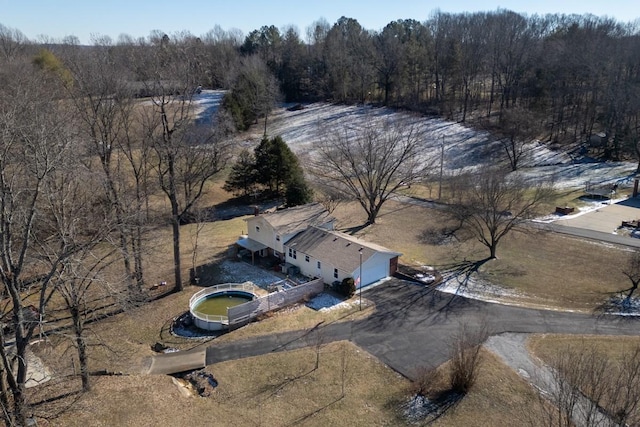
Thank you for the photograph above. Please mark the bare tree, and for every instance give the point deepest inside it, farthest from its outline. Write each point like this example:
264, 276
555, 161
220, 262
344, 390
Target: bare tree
329, 197
196, 230
187, 154
632, 271
105, 105
495, 203
12, 42
466, 357
518, 128
370, 163
43, 203
588, 387
75, 282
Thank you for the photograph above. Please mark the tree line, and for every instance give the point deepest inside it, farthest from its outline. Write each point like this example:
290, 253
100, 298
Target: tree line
560, 78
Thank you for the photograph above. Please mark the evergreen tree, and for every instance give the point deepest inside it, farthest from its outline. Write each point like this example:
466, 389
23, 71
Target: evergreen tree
276, 164
243, 176
298, 192
275, 167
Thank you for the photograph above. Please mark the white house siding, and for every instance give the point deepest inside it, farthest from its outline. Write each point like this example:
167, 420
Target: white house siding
266, 235
310, 269
373, 269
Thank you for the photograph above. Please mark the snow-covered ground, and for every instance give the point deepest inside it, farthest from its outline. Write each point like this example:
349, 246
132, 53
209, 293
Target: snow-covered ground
207, 103
463, 146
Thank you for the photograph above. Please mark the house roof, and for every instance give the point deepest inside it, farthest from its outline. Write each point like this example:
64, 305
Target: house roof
298, 218
250, 244
339, 249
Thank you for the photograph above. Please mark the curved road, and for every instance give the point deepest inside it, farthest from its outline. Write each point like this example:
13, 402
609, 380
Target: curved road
413, 326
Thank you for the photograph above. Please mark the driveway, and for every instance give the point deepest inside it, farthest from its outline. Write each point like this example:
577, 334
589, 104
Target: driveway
413, 326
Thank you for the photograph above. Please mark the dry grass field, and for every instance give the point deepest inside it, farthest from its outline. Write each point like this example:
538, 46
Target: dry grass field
546, 269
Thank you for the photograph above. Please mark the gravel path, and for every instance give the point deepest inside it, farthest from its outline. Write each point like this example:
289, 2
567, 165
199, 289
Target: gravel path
512, 349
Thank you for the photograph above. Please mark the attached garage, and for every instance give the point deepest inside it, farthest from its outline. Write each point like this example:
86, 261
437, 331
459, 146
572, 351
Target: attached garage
334, 256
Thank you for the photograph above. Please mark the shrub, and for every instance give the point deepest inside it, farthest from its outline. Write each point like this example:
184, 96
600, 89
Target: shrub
466, 358
347, 287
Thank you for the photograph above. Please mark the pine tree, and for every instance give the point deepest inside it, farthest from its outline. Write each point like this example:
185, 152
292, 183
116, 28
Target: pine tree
243, 176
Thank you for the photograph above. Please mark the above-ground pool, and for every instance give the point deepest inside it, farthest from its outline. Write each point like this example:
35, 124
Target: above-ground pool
209, 306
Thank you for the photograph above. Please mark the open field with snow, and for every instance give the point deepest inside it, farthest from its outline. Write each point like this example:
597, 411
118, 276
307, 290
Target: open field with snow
465, 148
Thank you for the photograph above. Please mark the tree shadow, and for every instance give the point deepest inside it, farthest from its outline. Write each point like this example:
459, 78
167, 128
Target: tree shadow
462, 273
237, 207
355, 229
302, 419
619, 304
403, 297
441, 235
427, 410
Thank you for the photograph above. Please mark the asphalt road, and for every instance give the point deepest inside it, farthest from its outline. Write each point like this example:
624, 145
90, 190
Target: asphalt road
414, 326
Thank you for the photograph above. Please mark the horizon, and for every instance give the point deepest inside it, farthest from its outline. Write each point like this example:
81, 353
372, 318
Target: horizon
84, 20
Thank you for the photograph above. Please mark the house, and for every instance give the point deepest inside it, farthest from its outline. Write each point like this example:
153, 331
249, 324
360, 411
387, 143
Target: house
267, 233
304, 240
334, 256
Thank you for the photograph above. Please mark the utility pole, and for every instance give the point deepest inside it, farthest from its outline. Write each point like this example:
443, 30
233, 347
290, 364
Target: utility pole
441, 168
360, 278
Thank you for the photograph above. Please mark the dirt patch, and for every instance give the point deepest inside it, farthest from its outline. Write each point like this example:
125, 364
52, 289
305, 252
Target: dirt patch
196, 383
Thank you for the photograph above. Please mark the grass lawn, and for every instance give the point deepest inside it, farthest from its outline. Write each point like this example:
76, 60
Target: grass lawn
546, 346
546, 269
349, 387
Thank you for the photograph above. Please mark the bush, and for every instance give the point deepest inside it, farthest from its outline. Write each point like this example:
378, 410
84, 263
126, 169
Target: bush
347, 287
466, 358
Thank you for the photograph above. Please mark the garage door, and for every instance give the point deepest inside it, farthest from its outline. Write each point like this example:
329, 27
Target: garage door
376, 268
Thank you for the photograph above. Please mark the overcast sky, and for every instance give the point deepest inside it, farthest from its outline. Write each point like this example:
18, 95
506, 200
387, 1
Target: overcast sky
82, 18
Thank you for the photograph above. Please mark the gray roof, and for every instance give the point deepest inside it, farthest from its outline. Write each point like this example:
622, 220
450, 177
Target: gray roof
250, 244
339, 249
298, 218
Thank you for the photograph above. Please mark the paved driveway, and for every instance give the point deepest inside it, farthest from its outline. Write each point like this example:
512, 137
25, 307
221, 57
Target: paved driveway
413, 326
607, 218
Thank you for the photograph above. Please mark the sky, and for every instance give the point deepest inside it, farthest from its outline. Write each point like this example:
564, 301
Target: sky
57, 19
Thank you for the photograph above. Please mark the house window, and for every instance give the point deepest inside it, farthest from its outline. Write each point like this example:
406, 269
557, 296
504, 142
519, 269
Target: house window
277, 238
293, 254
257, 229
306, 258
335, 273
318, 265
